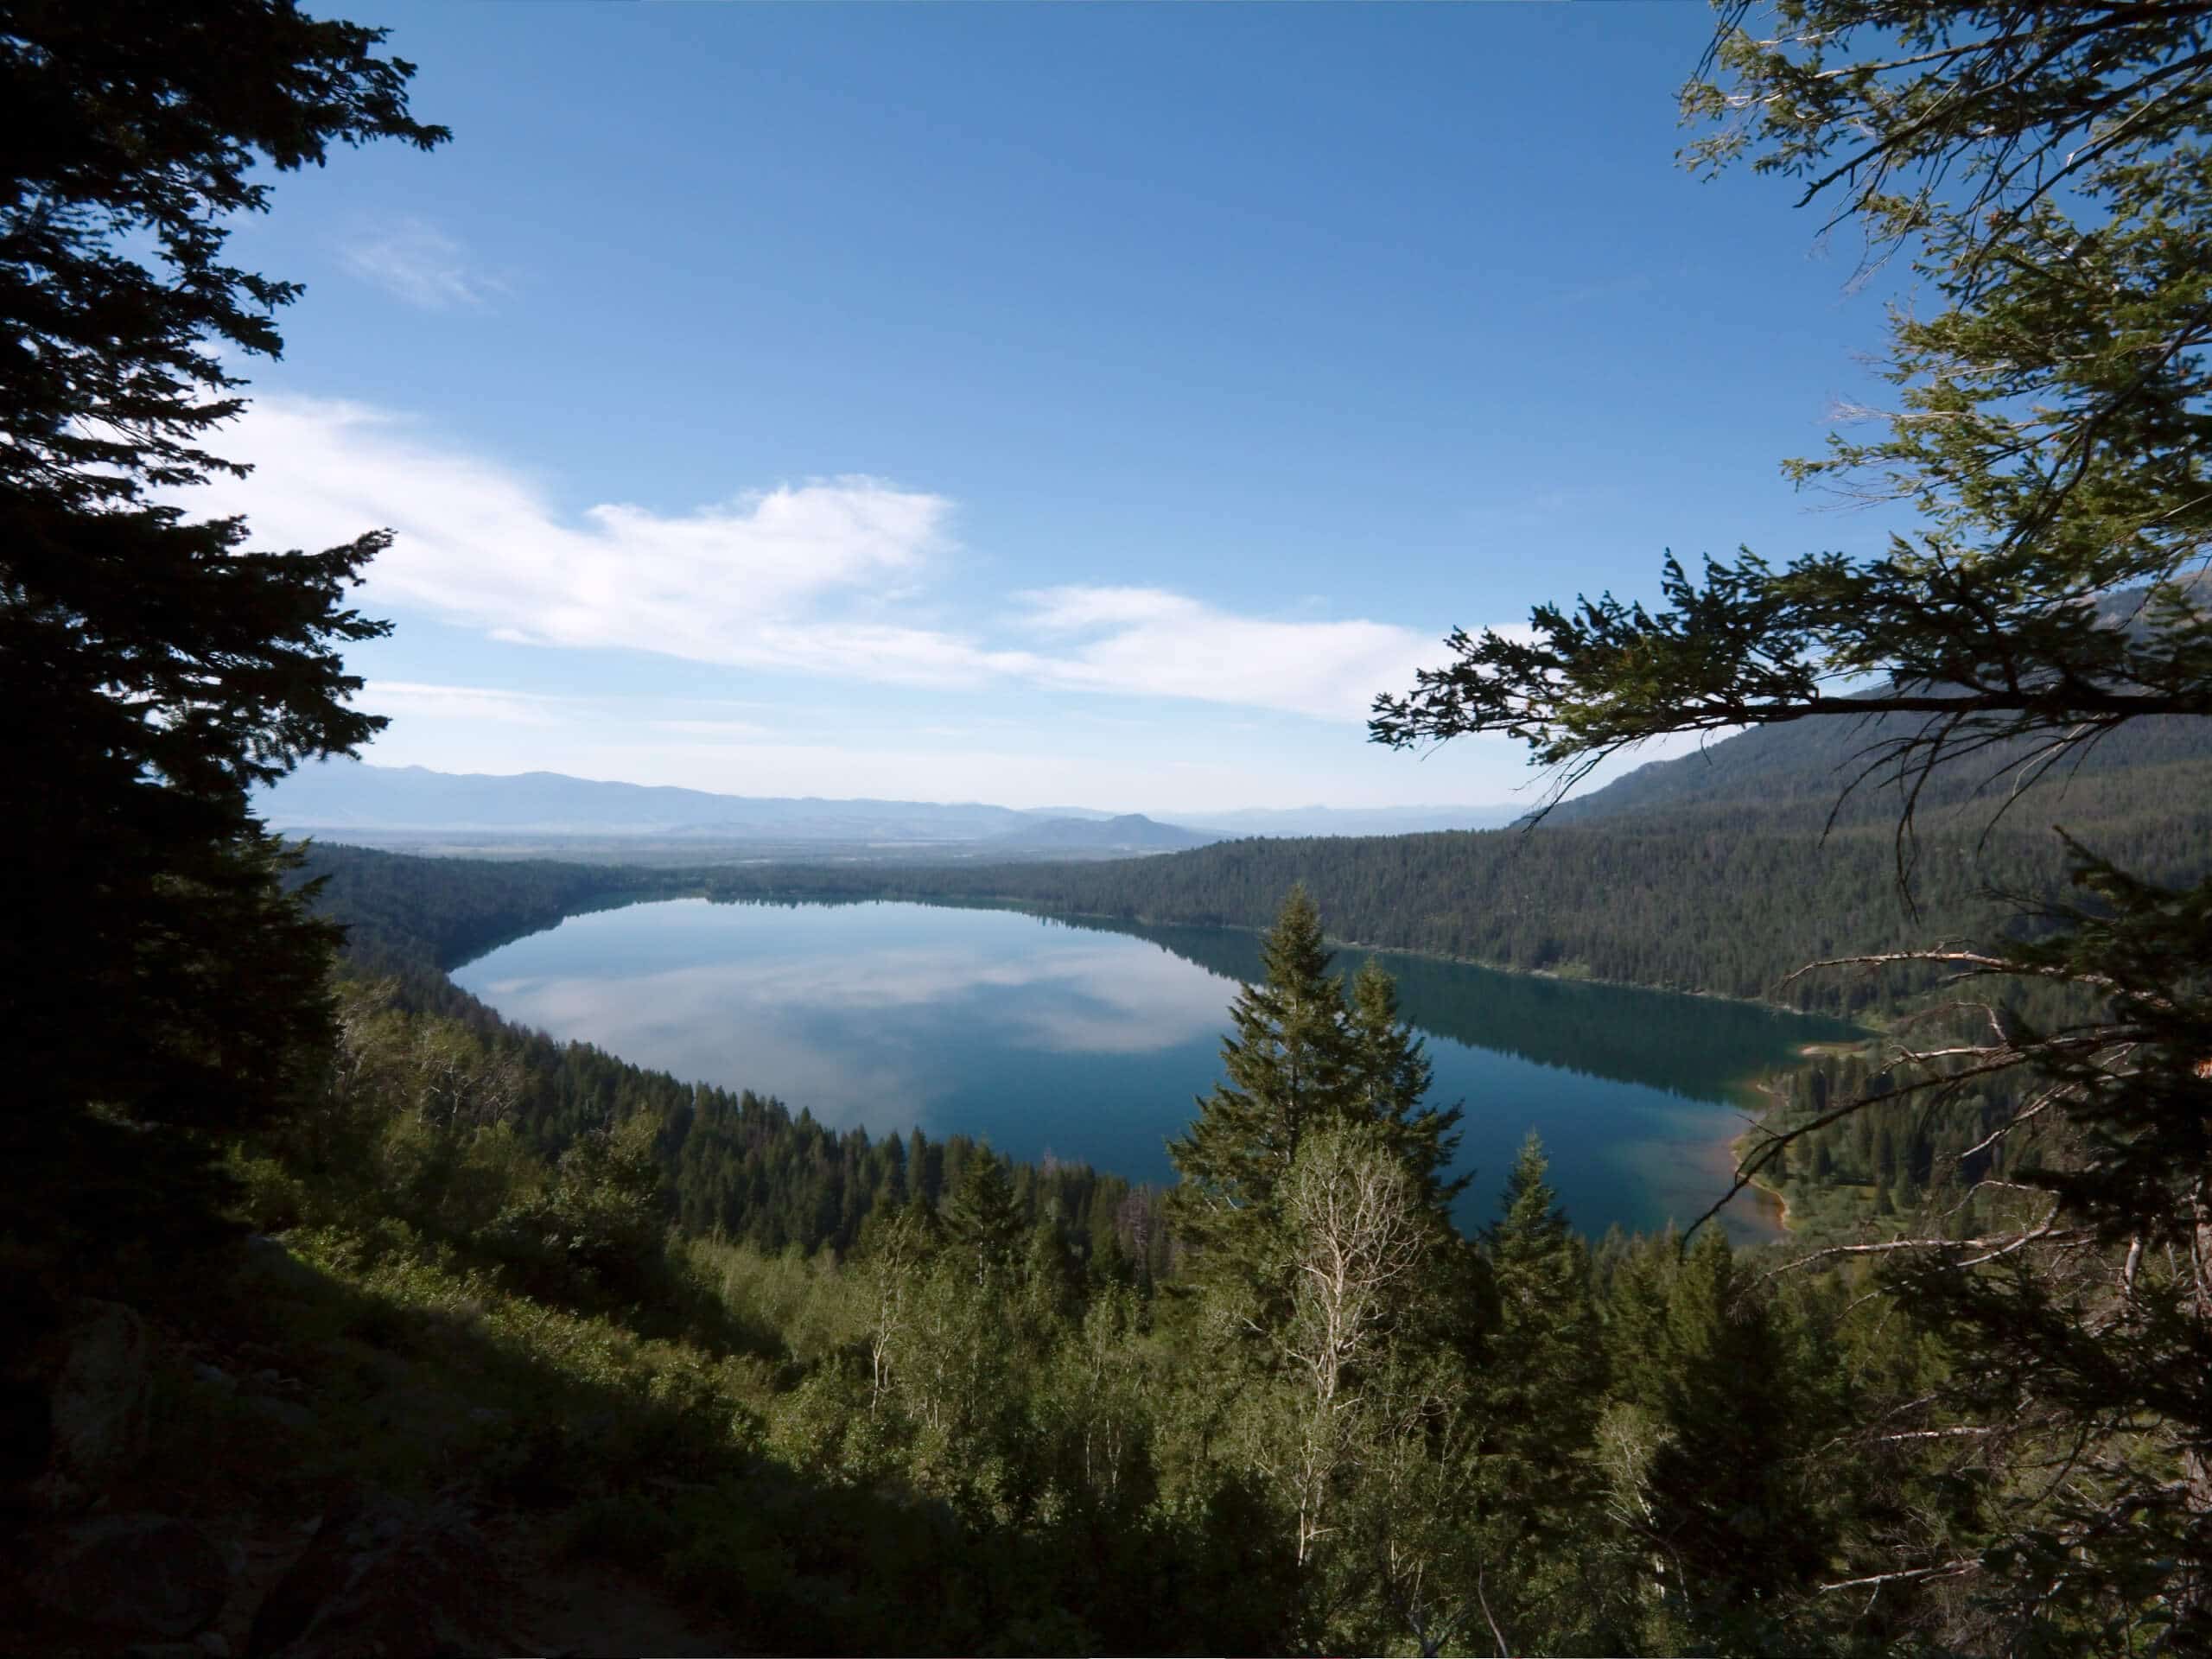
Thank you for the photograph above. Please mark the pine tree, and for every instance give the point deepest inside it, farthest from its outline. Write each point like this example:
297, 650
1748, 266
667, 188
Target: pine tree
1539, 1389
1291, 1066
981, 1217
1545, 1370
1735, 1532
2047, 172
1391, 1074
156, 669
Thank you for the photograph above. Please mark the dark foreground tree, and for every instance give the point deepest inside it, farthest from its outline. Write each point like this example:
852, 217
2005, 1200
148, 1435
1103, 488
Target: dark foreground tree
2046, 171
153, 667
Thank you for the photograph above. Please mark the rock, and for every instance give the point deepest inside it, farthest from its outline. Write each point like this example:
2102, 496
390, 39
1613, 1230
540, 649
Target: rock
431, 1417
277, 1269
212, 1645
214, 1377
145, 1574
25, 1431
287, 1415
382, 1576
98, 1401
344, 1360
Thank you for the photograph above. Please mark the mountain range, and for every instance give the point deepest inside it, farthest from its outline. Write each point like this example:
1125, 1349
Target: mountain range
352, 800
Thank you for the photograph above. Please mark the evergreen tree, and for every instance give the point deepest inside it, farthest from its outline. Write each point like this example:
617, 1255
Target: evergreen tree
1291, 1068
1537, 1391
1734, 1533
982, 1217
2048, 173
155, 670
1391, 1074
1544, 1370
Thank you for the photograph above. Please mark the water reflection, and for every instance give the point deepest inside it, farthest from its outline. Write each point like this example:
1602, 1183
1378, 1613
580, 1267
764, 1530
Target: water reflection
1095, 1040
1618, 1032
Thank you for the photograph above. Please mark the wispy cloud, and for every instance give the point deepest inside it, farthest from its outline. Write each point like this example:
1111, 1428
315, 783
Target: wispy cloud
836, 577
420, 700
1167, 645
478, 705
412, 260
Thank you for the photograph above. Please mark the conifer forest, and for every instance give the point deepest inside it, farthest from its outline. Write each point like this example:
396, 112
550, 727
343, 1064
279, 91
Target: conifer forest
348, 1315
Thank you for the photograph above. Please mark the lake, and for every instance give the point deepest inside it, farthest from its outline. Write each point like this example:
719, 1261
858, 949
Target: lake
1089, 1041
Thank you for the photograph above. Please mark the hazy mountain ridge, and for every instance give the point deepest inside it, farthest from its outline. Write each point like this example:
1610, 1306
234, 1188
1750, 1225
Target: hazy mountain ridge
354, 798
1131, 832
352, 795
1355, 820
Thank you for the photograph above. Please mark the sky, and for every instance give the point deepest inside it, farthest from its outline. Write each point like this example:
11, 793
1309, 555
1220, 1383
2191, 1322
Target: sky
1072, 405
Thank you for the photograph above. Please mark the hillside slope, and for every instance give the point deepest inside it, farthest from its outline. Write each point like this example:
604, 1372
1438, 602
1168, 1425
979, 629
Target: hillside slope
1726, 896
1809, 764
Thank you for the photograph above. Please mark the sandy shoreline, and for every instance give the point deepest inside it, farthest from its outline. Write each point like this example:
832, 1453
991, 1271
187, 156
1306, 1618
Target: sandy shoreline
1766, 1197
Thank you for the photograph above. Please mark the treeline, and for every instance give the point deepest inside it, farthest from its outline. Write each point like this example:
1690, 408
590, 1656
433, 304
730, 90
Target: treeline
410, 915
1731, 899
739, 1167
1900, 1158
981, 1423
1832, 767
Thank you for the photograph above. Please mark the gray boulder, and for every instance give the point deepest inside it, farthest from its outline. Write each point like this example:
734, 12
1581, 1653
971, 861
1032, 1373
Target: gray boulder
289, 1415
98, 1401
140, 1574
382, 1576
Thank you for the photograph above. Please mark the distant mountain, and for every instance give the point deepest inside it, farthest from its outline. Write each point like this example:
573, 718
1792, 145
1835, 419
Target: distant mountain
349, 795
350, 798
1354, 820
1131, 833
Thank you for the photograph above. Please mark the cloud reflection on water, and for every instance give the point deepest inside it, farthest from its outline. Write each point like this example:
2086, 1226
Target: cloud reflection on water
856, 1036
886, 1016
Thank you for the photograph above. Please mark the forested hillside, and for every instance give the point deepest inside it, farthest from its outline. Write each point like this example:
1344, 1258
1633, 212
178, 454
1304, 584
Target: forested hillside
1730, 899
739, 1166
1813, 764
861, 1367
344, 1316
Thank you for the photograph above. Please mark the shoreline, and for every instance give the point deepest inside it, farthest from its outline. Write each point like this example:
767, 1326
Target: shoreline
1766, 1200
1736, 1142
615, 898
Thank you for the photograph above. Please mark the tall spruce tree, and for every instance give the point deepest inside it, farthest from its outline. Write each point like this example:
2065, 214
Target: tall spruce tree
154, 667
982, 1219
1544, 1360
1734, 1533
1391, 1076
2047, 173
1291, 1067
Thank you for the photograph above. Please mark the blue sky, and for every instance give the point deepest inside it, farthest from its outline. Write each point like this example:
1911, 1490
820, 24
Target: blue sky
1086, 405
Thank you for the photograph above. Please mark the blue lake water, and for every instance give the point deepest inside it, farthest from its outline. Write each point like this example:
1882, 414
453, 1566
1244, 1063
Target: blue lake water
1091, 1041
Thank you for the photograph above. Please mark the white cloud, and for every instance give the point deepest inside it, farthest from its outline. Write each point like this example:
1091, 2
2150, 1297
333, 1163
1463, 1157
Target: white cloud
414, 261
709, 727
478, 705
829, 577
1144, 639
419, 700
